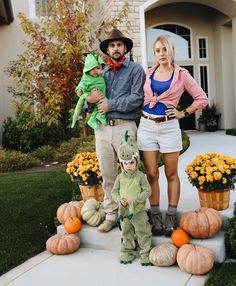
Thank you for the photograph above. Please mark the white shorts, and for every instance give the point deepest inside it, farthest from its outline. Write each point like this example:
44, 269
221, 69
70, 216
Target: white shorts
164, 137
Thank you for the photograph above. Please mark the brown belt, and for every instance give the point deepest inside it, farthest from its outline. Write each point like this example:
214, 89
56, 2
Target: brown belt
114, 122
158, 119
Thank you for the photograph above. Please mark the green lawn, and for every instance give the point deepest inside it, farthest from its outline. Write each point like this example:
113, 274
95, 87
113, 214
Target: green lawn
222, 275
28, 207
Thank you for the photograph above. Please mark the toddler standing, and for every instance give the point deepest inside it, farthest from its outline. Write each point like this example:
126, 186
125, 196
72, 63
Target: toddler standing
130, 191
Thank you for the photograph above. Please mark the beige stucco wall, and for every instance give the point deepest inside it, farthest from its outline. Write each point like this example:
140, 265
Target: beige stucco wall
225, 96
10, 38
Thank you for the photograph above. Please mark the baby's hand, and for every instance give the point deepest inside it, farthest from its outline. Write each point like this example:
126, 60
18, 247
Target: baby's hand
129, 201
78, 93
123, 202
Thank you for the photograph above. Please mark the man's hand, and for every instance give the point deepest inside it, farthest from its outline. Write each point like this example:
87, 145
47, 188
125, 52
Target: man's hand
103, 106
94, 96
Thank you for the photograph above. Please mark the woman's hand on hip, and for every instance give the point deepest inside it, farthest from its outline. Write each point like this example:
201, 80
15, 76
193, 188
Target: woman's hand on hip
173, 112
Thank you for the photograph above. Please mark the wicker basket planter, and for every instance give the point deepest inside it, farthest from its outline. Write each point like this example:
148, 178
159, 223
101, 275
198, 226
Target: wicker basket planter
94, 191
216, 199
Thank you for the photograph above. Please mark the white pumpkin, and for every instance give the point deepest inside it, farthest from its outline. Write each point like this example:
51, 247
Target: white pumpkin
163, 254
92, 212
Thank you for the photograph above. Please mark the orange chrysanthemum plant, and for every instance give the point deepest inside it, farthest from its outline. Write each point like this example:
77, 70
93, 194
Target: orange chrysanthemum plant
84, 169
212, 171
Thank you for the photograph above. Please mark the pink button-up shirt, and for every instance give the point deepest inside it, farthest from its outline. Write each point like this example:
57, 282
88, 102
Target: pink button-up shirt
182, 81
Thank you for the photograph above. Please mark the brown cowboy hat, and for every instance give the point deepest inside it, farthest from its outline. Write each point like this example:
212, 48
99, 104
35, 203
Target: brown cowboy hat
114, 35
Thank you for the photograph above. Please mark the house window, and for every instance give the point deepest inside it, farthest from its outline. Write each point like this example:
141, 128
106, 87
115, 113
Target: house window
202, 48
204, 78
37, 8
40, 8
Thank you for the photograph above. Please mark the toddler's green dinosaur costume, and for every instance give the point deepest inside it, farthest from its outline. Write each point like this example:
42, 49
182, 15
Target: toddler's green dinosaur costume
86, 84
134, 219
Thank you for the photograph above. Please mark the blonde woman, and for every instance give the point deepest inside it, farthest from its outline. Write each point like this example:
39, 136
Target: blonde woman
159, 129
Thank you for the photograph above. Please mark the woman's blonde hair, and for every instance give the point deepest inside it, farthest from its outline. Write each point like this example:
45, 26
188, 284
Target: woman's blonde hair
167, 42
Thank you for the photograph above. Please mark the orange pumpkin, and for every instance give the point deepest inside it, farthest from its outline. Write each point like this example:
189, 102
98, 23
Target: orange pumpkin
201, 223
63, 243
195, 259
72, 225
179, 237
71, 209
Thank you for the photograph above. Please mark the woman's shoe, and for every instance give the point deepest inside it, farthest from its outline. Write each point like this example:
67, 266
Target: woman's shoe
170, 224
156, 223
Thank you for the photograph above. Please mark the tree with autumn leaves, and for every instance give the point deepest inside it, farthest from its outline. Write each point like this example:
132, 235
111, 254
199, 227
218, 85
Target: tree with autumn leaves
50, 68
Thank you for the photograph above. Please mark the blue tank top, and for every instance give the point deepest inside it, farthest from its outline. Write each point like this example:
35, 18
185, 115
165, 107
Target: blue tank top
158, 87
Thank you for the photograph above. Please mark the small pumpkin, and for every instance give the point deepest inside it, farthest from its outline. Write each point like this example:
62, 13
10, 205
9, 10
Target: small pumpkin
72, 225
179, 237
163, 254
194, 259
71, 209
92, 212
201, 223
63, 243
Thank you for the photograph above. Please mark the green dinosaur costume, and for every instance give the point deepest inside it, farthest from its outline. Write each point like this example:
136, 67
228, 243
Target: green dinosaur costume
86, 84
134, 219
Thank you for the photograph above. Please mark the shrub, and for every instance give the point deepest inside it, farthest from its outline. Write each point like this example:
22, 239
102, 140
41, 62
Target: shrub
230, 236
231, 131
70, 148
15, 160
46, 152
19, 135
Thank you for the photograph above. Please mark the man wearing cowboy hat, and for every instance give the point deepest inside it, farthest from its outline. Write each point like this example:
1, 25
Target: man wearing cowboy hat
124, 85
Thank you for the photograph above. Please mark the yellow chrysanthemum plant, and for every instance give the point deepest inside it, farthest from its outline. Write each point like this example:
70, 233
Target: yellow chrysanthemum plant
212, 171
84, 169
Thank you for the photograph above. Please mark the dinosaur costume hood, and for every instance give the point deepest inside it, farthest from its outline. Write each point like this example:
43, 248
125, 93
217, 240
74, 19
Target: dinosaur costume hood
92, 60
128, 149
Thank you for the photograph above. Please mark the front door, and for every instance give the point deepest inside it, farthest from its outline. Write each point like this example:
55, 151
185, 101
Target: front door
186, 100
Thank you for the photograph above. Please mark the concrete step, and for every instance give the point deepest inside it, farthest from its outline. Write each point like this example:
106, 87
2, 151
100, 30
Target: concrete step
91, 238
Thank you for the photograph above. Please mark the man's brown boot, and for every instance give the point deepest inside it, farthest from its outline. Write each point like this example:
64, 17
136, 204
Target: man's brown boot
107, 225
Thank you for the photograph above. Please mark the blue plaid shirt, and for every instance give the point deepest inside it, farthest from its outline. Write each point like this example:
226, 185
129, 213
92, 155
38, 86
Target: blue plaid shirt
124, 90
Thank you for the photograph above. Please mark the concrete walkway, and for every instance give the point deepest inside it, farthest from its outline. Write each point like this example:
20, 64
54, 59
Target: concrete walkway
93, 266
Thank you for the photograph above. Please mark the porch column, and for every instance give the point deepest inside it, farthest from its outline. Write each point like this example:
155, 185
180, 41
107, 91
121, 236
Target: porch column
234, 56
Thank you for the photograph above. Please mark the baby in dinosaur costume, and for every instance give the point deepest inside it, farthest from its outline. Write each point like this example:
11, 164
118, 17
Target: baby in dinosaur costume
130, 191
91, 79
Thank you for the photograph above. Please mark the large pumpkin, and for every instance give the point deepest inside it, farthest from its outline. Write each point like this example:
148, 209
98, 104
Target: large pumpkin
72, 225
92, 212
179, 237
195, 259
163, 254
201, 223
63, 243
71, 209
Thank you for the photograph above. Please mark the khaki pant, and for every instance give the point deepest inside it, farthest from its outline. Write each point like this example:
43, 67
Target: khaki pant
108, 139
